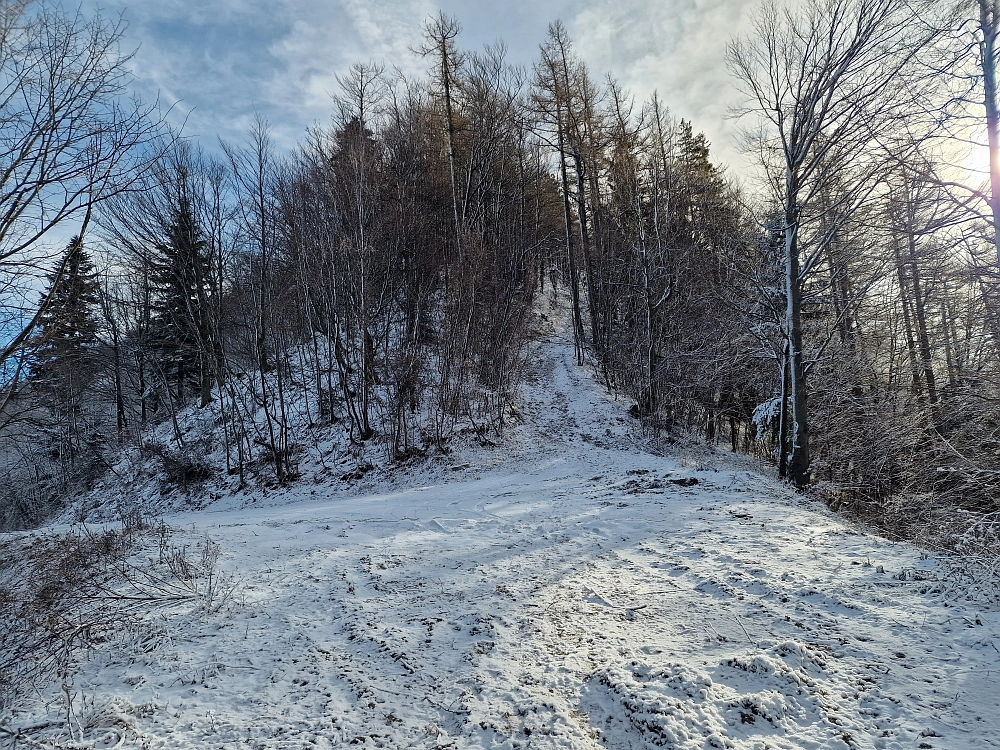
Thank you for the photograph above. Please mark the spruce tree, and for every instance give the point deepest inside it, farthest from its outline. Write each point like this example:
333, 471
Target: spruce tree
181, 280
65, 345
65, 360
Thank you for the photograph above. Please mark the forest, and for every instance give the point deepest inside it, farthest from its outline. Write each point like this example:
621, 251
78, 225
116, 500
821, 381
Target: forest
834, 313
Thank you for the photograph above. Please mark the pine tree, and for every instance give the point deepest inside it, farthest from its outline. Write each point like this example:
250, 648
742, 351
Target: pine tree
181, 321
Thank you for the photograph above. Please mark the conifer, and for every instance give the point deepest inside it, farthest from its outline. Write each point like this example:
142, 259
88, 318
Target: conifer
181, 277
65, 345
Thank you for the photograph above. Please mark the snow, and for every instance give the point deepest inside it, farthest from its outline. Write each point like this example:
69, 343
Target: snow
572, 590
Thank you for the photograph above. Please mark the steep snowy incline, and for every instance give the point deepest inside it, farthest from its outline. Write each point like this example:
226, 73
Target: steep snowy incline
580, 594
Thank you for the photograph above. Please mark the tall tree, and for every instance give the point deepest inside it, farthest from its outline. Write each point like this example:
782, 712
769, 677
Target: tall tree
823, 79
65, 358
440, 34
554, 99
64, 344
182, 283
989, 36
69, 140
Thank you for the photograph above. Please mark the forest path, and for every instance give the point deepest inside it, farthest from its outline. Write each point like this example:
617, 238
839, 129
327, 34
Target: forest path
572, 592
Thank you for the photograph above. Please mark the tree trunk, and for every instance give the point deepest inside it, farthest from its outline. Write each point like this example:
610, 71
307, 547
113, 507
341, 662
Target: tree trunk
574, 282
446, 80
783, 417
911, 341
588, 263
798, 458
989, 13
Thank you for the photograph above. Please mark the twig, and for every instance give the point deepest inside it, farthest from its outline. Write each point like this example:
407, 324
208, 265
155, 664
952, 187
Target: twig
740, 623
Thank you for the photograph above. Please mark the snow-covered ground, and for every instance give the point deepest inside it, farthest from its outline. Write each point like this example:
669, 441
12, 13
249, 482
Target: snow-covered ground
570, 591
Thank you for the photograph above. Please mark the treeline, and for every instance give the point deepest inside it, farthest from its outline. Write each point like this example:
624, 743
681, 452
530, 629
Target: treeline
880, 299
838, 316
380, 279
837, 313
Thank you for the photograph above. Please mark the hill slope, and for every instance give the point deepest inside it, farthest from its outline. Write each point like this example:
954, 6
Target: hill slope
574, 591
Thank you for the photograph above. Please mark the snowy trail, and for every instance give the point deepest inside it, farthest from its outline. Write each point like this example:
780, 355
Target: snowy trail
578, 595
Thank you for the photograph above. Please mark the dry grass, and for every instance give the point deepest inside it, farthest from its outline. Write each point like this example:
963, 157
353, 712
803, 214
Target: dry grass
61, 593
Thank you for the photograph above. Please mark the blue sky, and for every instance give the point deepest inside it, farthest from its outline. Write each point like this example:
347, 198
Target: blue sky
218, 60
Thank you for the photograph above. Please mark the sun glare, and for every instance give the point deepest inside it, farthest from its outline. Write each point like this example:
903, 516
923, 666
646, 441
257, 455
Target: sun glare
977, 163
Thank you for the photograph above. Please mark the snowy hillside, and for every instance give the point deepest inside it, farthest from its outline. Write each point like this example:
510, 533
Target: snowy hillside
574, 591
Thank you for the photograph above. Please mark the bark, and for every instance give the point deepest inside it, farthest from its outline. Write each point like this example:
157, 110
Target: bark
588, 262
989, 15
783, 417
574, 282
798, 456
906, 303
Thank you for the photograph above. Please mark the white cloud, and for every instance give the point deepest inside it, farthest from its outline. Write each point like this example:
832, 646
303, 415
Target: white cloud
327, 38
222, 59
676, 48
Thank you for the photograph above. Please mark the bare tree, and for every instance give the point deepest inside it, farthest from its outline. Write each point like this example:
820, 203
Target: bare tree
988, 28
257, 173
69, 139
440, 33
821, 79
553, 98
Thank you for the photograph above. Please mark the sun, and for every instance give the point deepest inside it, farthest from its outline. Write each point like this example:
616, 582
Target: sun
977, 163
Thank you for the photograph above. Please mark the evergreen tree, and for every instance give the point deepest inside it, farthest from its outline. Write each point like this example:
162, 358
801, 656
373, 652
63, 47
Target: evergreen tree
64, 362
65, 345
181, 315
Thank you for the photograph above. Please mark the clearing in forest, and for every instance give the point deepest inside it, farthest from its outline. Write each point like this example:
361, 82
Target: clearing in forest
572, 591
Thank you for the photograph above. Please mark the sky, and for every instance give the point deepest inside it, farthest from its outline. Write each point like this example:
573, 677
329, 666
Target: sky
218, 61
